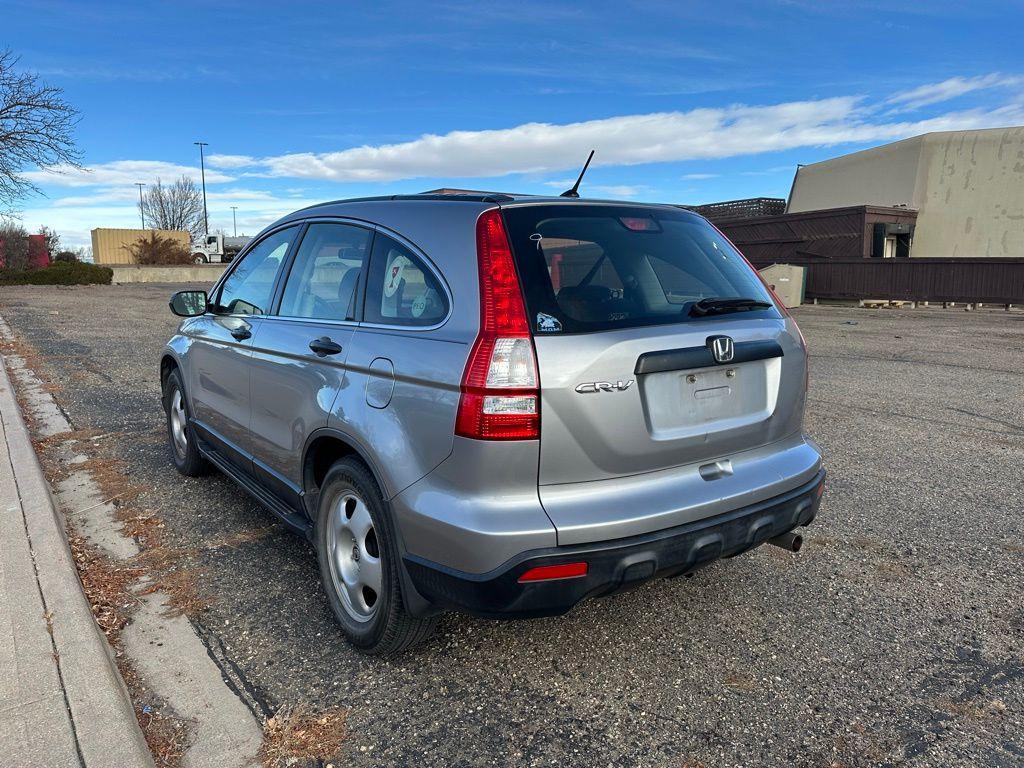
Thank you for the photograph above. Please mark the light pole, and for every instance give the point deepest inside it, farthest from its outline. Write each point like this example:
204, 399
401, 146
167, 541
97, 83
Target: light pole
142, 211
202, 172
234, 221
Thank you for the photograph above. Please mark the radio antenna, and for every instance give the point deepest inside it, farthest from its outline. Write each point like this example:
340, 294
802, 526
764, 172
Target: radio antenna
574, 192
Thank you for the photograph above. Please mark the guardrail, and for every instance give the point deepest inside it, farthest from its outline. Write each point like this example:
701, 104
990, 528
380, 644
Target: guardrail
968, 280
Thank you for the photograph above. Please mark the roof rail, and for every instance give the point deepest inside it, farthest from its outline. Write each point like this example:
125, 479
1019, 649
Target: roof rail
460, 197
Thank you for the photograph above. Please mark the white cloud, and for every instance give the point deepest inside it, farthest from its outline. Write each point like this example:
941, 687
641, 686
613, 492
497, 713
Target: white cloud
934, 93
700, 176
230, 161
615, 190
120, 173
770, 171
232, 195
74, 217
626, 140
130, 194
105, 196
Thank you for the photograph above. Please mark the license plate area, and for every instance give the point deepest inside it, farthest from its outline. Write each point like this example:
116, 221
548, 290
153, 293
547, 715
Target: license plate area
680, 404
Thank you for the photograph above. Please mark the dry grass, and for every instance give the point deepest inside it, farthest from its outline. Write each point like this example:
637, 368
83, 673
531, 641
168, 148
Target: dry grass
108, 588
164, 566
179, 585
111, 586
107, 585
113, 478
75, 436
31, 359
300, 736
167, 735
239, 538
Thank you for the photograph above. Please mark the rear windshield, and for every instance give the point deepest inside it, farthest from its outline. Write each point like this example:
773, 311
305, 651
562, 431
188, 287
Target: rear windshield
595, 267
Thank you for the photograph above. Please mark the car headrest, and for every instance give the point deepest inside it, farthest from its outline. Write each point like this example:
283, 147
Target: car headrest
347, 291
585, 302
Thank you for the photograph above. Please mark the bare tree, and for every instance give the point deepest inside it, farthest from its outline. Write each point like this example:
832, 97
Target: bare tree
14, 252
36, 127
174, 206
51, 240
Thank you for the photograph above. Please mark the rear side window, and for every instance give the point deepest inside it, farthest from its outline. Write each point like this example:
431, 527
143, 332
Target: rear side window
324, 277
590, 267
401, 290
249, 288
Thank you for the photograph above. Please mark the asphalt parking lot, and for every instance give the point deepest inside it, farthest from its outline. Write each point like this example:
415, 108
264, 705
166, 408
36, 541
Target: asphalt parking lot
896, 637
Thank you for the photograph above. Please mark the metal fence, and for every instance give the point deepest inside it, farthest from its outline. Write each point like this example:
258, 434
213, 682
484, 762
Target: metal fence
970, 280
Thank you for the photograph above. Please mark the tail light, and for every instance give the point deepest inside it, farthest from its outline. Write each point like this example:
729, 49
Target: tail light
500, 394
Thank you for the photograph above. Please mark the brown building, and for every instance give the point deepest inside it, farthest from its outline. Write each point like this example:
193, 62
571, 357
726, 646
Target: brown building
967, 186
862, 231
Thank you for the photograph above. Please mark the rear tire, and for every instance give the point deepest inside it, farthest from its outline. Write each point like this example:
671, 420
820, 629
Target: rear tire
180, 435
359, 561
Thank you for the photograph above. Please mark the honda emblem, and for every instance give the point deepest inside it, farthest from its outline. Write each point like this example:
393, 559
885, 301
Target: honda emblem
722, 348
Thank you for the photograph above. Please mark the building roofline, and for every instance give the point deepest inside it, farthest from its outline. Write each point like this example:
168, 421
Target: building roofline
819, 213
921, 137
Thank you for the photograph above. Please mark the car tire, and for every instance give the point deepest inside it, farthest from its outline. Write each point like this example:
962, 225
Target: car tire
180, 435
199, 258
359, 561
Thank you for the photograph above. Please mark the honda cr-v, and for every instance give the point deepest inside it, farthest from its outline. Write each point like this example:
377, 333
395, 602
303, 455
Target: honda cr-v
495, 404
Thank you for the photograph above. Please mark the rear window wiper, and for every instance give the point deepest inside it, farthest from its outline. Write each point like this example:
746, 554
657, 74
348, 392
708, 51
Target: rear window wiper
713, 306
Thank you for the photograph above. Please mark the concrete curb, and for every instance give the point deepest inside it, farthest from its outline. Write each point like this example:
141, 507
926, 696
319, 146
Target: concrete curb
94, 724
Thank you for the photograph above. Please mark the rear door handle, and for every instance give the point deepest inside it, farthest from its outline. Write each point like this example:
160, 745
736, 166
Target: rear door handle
241, 333
324, 347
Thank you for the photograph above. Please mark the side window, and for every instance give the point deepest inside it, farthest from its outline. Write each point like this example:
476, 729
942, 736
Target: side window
401, 290
325, 274
249, 288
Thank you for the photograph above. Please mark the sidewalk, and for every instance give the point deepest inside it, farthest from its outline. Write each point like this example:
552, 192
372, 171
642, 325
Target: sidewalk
62, 700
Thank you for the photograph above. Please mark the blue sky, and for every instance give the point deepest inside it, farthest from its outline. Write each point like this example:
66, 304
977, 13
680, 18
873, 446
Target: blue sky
684, 101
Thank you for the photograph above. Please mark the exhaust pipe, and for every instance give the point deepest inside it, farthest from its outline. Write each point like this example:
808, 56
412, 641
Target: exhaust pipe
789, 541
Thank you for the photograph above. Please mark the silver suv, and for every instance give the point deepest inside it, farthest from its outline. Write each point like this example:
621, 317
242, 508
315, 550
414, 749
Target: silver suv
494, 404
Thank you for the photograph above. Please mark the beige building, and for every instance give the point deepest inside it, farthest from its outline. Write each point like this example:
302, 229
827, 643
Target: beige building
967, 186
109, 246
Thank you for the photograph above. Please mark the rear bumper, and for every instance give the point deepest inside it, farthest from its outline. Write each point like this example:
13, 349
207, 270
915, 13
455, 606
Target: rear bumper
613, 565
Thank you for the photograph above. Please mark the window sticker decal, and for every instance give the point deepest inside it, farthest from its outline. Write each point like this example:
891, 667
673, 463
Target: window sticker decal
548, 324
393, 274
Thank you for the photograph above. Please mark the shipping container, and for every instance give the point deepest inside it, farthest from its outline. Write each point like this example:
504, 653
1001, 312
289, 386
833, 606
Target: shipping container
110, 246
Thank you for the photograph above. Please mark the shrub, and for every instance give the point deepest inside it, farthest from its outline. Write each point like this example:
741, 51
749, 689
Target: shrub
65, 256
59, 273
157, 249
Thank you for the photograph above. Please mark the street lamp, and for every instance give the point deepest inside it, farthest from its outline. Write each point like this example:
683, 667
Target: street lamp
234, 222
142, 211
202, 171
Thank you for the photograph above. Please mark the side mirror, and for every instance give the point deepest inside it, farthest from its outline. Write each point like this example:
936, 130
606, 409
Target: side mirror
189, 303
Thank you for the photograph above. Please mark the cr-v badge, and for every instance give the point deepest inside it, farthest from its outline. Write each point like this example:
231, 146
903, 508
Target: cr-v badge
603, 386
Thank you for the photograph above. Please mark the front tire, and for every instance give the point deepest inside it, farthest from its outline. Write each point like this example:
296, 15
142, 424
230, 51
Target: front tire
359, 563
187, 458
199, 258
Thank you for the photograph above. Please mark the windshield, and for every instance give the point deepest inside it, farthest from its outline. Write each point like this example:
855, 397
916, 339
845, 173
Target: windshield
594, 267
